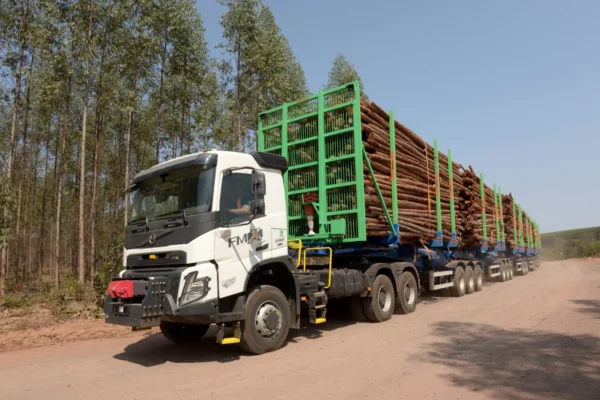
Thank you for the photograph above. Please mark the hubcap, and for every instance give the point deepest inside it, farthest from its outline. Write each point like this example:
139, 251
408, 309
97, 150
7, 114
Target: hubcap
480, 280
471, 282
268, 320
461, 284
409, 293
384, 297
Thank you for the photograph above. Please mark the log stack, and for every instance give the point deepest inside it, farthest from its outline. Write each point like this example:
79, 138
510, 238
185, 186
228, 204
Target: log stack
509, 221
416, 180
471, 210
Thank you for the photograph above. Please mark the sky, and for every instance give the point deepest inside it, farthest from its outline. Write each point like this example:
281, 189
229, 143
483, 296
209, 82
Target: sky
512, 87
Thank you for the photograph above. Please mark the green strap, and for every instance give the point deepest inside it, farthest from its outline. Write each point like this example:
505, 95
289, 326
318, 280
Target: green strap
451, 181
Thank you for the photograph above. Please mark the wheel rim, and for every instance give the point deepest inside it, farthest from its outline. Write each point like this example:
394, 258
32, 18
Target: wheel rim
384, 298
471, 283
409, 293
480, 279
268, 320
461, 283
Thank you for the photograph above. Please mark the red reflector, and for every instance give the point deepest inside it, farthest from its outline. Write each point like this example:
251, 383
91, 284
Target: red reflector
121, 289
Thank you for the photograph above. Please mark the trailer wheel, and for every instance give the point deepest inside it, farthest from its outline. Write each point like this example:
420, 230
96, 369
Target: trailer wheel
183, 333
267, 321
406, 299
525, 267
470, 280
458, 290
478, 278
379, 306
503, 273
533, 268
511, 271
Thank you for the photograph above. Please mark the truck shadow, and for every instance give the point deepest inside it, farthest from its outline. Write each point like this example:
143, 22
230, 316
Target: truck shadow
155, 350
589, 307
517, 363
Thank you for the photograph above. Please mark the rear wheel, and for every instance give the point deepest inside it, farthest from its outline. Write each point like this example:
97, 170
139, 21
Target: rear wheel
458, 290
379, 306
525, 267
406, 299
470, 279
503, 273
478, 278
532, 266
183, 333
511, 272
267, 322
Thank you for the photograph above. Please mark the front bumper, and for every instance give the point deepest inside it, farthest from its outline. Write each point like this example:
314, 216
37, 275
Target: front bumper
155, 305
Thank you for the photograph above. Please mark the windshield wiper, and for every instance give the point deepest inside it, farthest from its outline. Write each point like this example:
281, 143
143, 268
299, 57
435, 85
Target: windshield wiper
173, 213
139, 219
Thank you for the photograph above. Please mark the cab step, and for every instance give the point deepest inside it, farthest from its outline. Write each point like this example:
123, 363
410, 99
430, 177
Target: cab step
236, 338
317, 307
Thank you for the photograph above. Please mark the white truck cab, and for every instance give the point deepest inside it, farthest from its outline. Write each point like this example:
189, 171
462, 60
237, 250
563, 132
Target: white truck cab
207, 243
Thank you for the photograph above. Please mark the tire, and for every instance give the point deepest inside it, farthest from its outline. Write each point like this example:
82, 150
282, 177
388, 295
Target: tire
533, 266
183, 333
267, 321
470, 280
525, 266
408, 294
511, 272
458, 290
503, 273
478, 273
380, 305
357, 310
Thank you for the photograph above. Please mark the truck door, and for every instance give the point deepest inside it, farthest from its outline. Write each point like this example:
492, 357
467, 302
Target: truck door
239, 243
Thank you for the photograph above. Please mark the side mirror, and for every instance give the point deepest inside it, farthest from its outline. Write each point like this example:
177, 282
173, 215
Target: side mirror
259, 184
258, 207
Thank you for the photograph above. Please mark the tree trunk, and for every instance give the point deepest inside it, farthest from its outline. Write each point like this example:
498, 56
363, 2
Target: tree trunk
43, 221
17, 256
127, 162
94, 210
13, 134
81, 244
29, 209
160, 100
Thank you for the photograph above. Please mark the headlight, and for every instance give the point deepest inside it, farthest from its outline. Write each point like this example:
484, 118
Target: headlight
195, 288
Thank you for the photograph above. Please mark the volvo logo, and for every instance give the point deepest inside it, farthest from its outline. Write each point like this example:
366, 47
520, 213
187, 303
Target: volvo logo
152, 240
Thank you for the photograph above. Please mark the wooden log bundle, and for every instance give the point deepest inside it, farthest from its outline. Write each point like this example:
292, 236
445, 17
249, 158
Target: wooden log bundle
509, 221
471, 211
416, 180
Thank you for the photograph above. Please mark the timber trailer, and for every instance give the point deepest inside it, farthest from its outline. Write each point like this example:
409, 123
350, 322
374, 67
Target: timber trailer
193, 259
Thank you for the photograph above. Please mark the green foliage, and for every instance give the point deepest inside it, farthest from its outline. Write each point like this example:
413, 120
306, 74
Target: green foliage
573, 243
7, 199
259, 70
109, 267
343, 72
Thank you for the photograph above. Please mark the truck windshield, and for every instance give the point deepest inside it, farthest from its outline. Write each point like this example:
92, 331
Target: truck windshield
188, 189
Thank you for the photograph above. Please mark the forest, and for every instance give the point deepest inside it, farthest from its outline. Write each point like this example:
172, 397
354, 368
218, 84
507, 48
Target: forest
93, 91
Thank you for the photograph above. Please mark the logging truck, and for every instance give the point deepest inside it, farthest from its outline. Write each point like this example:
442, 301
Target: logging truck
252, 242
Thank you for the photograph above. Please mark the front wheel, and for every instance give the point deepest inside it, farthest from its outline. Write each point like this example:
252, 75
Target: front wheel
183, 333
267, 322
379, 306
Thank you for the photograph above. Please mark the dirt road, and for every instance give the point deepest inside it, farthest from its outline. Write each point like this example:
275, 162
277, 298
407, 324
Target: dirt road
535, 337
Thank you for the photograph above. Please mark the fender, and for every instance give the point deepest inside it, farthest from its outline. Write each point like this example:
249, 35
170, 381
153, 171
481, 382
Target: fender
371, 273
400, 267
291, 269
